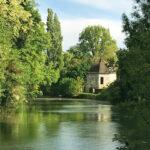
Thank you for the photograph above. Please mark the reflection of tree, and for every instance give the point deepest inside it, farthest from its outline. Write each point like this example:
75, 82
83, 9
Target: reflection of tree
26, 125
47, 121
134, 130
19, 126
36, 121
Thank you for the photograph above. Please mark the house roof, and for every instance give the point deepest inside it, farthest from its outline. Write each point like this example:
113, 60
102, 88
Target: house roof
100, 68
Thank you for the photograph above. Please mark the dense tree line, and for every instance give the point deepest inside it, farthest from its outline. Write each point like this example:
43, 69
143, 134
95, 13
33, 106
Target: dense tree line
133, 83
25, 50
32, 61
134, 63
95, 42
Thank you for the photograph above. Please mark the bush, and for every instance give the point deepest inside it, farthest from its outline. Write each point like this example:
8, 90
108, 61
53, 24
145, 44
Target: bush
112, 93
87, 96
69, 87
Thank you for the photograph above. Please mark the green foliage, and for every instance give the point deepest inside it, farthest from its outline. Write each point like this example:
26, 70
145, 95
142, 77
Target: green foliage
134, 63
112, 93
87, 96
96, 42
34, 59
13, 89
11, 83
133, 81
54, 56
54, 51
79, 58
71, 87
16, 16
23, 56
74, 66
136, 118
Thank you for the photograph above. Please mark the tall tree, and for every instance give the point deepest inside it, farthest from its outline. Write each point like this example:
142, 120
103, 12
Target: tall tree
11, 84
54, 52
134, 63
23, 52
97, 42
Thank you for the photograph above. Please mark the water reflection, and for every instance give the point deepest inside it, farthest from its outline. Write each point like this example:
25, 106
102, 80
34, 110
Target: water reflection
133, 130
60, 125
105, 115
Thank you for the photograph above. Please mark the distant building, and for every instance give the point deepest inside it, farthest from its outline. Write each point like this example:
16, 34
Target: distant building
99, 77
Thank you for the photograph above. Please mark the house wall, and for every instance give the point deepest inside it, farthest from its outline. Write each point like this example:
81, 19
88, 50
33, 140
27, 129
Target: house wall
108, 79
94, 81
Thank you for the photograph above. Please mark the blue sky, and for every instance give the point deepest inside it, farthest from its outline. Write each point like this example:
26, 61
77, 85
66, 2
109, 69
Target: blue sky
75, 15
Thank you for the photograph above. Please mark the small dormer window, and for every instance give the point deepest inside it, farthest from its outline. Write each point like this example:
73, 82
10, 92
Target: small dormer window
102, 80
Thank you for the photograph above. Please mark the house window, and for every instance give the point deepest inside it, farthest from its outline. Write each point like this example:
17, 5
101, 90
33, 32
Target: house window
102, 80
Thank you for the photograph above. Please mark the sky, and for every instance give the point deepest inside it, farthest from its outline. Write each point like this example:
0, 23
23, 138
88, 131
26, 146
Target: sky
75, 15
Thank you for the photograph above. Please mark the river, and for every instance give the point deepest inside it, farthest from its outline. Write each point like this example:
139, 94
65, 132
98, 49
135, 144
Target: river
63, 125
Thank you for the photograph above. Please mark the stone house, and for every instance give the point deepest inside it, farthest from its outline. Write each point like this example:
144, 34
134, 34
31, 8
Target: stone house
99, 76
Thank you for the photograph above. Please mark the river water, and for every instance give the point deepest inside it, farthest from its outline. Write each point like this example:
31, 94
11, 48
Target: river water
62, 125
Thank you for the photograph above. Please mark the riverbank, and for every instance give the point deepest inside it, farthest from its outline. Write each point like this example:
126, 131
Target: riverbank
80, 96
46, 99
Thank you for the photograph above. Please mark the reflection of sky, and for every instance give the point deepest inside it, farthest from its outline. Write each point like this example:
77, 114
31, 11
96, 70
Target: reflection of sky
83, 136
91, 128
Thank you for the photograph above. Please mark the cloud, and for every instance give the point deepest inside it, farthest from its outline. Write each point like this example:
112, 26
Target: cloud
112, 5
72, 27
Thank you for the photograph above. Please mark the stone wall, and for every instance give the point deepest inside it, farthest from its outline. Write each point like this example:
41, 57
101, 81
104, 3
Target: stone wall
108, 79
94, 81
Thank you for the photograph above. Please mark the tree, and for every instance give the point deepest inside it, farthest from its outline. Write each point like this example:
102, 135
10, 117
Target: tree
54, 59
23, 53
134, 63
54, 51
12, 14
96, 42
70, 87
75, 64
32, 52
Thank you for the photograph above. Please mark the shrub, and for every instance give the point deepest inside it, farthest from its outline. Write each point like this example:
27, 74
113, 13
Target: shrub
112, 93
87, 96
70, 87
